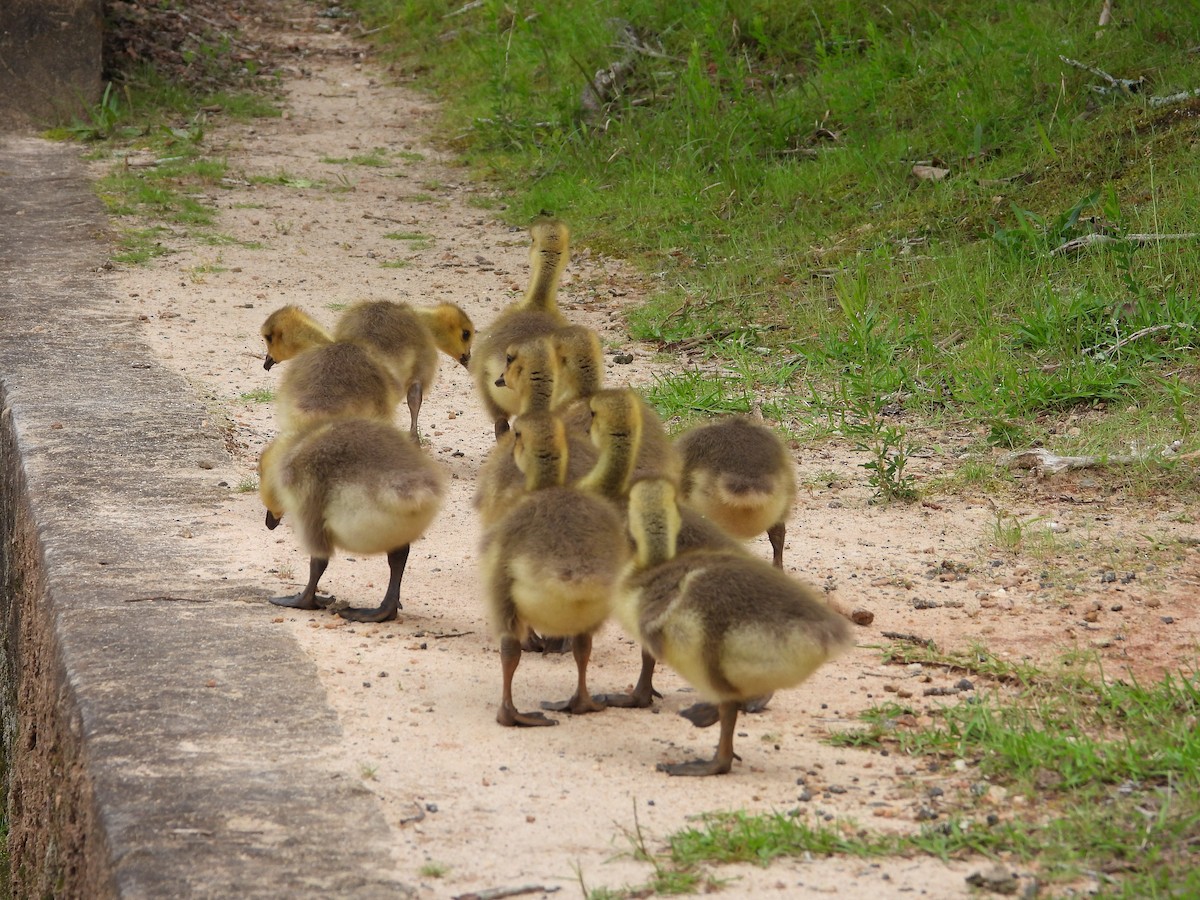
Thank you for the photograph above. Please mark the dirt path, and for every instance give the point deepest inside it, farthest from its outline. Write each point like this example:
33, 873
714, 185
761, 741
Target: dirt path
473, 805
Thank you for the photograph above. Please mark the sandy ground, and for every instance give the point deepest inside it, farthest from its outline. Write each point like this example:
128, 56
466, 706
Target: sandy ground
473, 805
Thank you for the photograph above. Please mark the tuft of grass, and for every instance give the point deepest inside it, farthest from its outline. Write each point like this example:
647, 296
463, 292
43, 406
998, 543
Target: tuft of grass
433, 869
258, 395
153, 129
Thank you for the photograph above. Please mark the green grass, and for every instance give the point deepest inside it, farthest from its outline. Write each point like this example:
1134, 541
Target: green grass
1100, 775
759, 163
258, 395
162, 175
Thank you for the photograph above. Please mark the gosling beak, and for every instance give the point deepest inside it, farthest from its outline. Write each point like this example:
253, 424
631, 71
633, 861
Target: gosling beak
268, 362
272, 520
465, 359
500, 382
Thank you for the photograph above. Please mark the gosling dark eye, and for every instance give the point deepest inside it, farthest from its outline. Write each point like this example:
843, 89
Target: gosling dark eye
466, 335
269, 336
508, 359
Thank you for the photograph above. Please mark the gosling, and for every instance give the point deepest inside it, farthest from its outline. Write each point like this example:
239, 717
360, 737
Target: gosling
738, 473
535, 315
406, 340
733, 626
553, 562
358, 484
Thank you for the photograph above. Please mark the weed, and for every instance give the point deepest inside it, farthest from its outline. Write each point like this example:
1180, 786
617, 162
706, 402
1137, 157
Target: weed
258, 395
247, 485
434, 869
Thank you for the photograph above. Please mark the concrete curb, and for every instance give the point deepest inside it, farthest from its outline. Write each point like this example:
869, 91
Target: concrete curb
160, 740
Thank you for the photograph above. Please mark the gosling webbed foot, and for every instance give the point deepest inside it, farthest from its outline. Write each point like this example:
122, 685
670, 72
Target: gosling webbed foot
705, 715
635, 699
299, 601
702, 715
383, 613
576, 706
510, 717
697, 767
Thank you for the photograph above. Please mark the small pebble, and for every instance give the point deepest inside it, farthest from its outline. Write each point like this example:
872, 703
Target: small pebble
862, 616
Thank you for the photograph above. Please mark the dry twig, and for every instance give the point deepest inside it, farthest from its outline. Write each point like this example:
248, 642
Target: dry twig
1042, 462
1076, 244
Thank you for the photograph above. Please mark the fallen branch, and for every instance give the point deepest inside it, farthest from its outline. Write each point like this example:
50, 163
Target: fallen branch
1141, 240
419, 817
1172, 99
908, 638
474, 4
1126, 86
1042, 462
1106, 352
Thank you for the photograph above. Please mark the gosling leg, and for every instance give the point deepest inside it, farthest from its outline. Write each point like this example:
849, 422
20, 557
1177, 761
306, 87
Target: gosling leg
307, 599
723, 761
387, 610
510, 658
643, 692
582, 701
415, 396
777, 533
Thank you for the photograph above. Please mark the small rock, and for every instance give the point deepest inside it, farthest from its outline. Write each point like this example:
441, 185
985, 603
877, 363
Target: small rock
623, 359
805, 796
862, 616
997, 879
1168, 620
1108, 577
205, 463
964, 684
926, 814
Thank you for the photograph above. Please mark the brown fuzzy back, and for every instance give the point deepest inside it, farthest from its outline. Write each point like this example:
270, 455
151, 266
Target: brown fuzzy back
396, 334
337, 380
745, 457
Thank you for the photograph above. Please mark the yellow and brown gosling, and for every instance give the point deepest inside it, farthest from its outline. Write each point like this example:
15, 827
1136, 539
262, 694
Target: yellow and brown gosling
738, 473
289, 331
406, 340
355, 484
552, 563
735, 627
536, 314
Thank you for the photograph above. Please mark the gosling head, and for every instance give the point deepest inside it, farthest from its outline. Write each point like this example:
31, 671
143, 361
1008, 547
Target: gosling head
580, 361
289, 331
540, 449
529, 370
654, 520
452, 330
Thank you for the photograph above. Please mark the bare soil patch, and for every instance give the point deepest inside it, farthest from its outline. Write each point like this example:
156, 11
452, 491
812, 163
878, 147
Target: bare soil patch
473, 805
